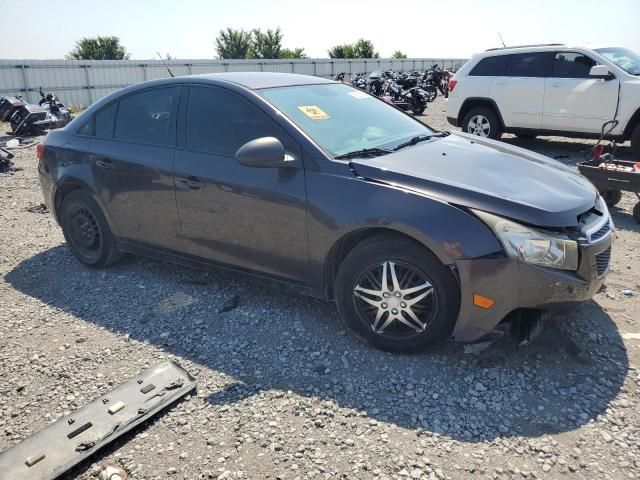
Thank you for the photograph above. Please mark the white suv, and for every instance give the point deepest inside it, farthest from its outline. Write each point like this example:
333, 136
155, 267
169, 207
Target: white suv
548, 90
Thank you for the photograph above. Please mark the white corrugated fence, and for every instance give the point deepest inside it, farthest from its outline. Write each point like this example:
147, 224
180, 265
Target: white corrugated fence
82, 82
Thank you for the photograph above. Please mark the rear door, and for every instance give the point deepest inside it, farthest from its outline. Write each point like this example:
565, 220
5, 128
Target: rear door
132, 158
519, 94
573, 101
252, 218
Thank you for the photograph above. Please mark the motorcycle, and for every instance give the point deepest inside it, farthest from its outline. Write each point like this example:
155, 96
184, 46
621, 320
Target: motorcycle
404, 93
49, 114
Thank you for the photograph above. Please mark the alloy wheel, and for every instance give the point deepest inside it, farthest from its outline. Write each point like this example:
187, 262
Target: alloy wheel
479, 125
395, 299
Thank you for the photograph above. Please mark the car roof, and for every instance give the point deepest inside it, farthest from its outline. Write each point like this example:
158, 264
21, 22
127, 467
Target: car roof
258, 80
546, 47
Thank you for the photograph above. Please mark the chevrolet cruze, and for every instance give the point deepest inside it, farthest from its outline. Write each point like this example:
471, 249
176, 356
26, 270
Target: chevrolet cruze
418, 236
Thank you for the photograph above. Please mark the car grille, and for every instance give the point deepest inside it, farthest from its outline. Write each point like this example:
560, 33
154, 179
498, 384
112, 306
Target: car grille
595, 236
603, 261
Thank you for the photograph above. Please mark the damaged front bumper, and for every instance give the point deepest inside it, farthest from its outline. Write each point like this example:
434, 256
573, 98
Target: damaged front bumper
513, 284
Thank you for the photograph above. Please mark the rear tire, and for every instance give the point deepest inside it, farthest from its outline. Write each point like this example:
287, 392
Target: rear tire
86, 230
482, 121
611, 196
421, 279
635, 141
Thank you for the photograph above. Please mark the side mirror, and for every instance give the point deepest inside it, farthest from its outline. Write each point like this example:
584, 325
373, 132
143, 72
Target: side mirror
265, 152
601, 71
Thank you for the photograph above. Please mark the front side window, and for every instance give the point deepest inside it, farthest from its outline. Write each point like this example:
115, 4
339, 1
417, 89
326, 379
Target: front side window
571, 65
144, 117
624, 58
220, 121
490, 67
529, 65
342, 119
104, 121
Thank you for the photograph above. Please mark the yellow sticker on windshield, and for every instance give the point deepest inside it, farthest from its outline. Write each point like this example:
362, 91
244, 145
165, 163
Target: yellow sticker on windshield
314, 112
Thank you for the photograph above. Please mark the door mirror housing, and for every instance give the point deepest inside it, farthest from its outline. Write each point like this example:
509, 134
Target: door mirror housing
265, 152
601, 71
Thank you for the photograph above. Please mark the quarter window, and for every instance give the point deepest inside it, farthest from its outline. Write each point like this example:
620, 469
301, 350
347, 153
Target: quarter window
490, 67
529, 65
220, 121
104, 121
572, 65
144, 117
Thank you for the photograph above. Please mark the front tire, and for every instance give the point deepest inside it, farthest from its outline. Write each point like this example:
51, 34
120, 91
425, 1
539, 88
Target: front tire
396, 295
86, 230
482, 121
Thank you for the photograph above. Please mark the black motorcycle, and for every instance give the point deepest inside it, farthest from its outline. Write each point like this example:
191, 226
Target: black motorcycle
404, 92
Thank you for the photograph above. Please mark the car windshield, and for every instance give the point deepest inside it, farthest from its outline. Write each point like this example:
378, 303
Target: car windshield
626, 59
344, 120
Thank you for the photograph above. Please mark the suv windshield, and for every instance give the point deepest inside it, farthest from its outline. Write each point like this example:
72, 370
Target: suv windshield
626, 59
344, 120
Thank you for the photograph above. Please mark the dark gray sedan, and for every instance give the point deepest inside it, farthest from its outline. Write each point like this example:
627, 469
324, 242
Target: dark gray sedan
418, 236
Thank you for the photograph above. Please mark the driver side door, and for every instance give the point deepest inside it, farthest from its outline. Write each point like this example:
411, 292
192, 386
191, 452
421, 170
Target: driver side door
247, 217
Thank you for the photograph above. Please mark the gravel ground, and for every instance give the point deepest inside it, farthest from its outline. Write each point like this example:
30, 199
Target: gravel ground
285, 392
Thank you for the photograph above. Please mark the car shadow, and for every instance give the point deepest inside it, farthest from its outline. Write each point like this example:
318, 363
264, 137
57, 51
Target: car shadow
276, 339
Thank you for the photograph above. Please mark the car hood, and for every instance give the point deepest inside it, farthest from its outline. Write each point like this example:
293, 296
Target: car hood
487, 175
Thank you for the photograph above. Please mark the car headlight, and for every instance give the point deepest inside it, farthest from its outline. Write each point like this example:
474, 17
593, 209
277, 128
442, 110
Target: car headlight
533, 246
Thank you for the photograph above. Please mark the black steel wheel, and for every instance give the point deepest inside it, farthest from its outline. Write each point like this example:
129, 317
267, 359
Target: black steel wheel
86, 230
636, 212
396, 294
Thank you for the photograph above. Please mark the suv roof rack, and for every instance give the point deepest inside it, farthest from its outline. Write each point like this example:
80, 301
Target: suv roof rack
525, 46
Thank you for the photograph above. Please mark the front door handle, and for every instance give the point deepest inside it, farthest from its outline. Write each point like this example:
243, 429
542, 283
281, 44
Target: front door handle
192, 183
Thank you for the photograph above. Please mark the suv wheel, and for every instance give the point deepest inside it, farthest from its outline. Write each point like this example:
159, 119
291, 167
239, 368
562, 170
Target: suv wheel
635, 141
396, 295
86, 230
482, 121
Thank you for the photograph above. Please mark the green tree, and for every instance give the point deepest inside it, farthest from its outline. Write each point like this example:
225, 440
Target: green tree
364, 49
232, 43
292, 53
265, 45
398, 54
99, 48
341, 51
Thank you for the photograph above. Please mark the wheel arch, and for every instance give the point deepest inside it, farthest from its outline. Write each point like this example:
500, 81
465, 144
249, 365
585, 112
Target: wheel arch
349, 241
473, 102
70, 184
631, 124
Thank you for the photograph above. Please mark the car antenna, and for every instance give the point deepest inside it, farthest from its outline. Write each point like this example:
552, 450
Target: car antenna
503, 44
166, 66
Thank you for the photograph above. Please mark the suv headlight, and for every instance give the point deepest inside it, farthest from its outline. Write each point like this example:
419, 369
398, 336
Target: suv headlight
533, 246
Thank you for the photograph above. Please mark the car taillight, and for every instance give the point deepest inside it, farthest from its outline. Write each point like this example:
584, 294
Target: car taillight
452, 85
40, 151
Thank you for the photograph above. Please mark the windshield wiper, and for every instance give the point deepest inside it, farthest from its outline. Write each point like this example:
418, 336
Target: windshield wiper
365, 152
418, 139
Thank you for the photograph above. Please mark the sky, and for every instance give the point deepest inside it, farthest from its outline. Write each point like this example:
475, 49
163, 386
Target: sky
186, 29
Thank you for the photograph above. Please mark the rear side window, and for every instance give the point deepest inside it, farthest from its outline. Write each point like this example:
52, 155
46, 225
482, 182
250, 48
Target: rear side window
490, 67
86, 129
529, 65
104, 121
571, 65
220, 121
144, 117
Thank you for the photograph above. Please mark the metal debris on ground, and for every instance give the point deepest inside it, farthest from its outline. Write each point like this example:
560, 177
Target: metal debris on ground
112, 471
50, 452
40, 208
5, 160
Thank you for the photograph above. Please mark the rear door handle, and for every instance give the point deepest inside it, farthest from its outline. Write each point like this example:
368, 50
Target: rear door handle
557, 84
192, 183
103, 163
